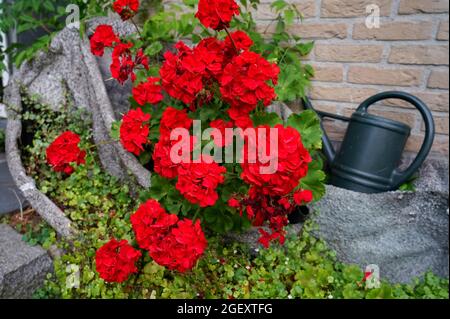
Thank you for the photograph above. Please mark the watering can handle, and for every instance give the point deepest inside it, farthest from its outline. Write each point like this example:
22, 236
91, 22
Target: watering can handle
400, 177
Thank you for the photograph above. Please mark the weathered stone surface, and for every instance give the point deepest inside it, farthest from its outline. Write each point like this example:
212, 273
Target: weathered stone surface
69, 70
433, 177
11, 199
23, 268
405, 234
251, 236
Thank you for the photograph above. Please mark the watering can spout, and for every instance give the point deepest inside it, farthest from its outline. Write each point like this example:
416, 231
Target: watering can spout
328, 148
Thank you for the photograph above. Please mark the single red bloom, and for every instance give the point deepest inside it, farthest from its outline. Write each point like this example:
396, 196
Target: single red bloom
148, 92
103, 37
141, 59
240, 117
116, 261
233, 202
222, 125
134, 131
241, 40
302, 197
217, 14
64, 151
285, 203
126, 8
123, 64
163, 164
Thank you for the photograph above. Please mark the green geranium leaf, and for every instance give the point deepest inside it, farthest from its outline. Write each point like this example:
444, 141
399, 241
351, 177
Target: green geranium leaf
160, 187
145, 157
314, 180
265, 118
308, 125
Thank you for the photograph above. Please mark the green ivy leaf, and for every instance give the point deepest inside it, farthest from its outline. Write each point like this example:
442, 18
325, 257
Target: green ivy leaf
289, 15
115, 130
279, 5
305, 48
154, 48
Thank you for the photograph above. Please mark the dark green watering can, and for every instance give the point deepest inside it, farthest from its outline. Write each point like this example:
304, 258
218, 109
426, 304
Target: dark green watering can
370, 153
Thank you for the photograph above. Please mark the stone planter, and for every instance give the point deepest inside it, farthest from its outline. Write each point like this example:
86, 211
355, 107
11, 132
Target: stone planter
69, 69
404, 233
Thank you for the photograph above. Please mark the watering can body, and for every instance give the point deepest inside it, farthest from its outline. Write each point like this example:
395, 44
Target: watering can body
371, 150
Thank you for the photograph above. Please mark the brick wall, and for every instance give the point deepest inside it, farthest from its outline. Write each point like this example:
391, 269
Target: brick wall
409, 52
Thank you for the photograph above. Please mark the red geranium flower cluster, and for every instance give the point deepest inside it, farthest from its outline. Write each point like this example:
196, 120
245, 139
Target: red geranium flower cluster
134, 131
123, 64
148, 92
116, 261
151, 224
293, 159
262, 208
64, 151
187, 75
102, 38
182, 80
127, 9
172, 119
217, 14
198, 182
173, 243
222, 125
163, 164
244, 83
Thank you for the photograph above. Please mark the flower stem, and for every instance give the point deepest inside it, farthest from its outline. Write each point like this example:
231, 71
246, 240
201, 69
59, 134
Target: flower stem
101, 144
196, 215
232, 40
137, 29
